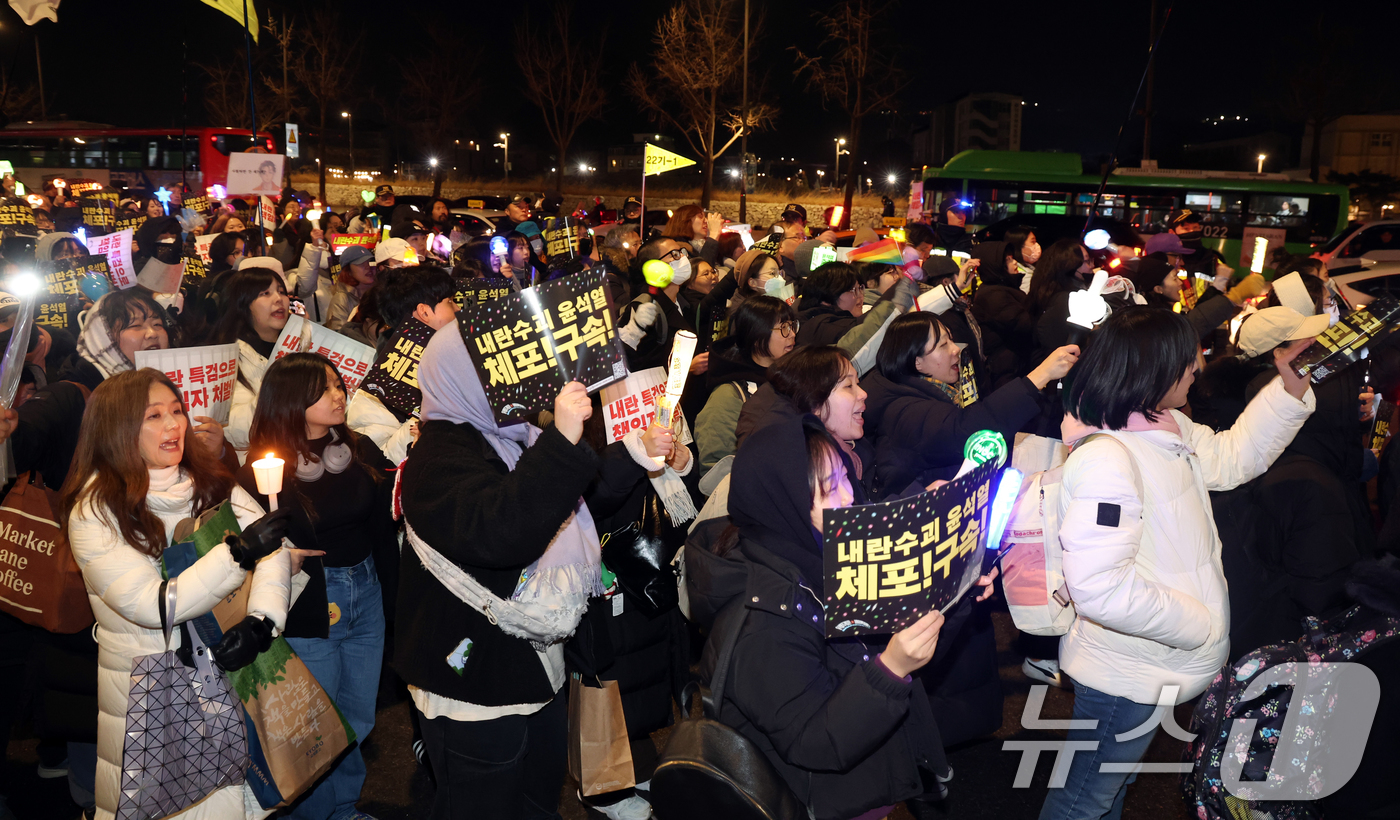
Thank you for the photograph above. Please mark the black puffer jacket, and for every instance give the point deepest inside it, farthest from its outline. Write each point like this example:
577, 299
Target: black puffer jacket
919, 433
1003, 312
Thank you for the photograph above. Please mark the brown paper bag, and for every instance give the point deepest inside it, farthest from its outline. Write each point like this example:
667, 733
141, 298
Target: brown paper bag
600, 758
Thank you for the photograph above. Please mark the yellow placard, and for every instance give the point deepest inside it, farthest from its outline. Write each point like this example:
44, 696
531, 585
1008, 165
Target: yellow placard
659, 161
894, 222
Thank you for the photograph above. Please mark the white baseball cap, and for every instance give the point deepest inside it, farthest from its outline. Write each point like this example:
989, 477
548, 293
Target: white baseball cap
391, 249
1273, 326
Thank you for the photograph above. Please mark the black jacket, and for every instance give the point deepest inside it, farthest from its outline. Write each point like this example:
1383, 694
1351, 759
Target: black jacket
824, 325
492, 522
1008, 331
655, 347
919, 433
843, 731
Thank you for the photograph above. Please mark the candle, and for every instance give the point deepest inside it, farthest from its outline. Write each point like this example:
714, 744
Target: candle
268, 474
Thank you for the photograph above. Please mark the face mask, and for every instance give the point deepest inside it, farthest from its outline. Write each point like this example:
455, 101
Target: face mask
1085, 269
1191, 239
1031, 253
681, 270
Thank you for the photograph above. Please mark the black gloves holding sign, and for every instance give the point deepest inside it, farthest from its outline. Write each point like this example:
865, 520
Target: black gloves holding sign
259, 539
242, 643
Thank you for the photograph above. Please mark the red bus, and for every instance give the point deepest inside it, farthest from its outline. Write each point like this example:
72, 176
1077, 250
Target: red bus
148, 158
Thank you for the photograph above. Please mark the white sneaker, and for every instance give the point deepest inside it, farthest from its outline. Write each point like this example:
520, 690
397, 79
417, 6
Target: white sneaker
633, 808
1045, 671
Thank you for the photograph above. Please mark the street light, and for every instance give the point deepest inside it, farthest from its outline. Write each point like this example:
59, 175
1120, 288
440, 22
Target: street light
1261, 163
836, 170
505, 145
350, 126
892, 179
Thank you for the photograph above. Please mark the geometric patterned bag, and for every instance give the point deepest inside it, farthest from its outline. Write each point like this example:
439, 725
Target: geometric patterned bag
184, 729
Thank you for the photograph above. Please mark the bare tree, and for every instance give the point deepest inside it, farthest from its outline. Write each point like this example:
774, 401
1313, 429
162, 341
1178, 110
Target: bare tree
18, 101
284, 91
856, 72
436, 93
226, 94
325, 64
693, 83
562, 79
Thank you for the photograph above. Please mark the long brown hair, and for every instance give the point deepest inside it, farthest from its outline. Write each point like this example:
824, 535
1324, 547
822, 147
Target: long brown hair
678, 227
109, 473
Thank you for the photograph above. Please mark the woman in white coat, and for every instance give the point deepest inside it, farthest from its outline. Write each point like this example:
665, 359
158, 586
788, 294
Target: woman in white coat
1141, 553
135, 476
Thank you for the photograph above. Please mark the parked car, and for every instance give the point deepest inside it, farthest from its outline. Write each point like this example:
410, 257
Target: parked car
1372, 279
1378, 239
476, 221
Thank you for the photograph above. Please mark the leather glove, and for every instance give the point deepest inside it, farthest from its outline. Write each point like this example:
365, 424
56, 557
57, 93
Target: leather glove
242, 643
260, 539
1249, 287
643, 317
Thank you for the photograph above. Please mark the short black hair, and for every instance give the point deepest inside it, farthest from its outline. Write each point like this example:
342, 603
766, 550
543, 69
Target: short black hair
919, 233
822, 451
870, 272
904, 342
1015, 237
752, 322
651, 249
407, 288
807, 375
223, 245
1133, 360
825, 285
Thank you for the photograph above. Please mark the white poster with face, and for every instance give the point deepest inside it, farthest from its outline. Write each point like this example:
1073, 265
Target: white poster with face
255, 174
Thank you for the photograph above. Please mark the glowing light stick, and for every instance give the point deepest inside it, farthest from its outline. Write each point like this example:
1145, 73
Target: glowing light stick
981, 447
1087, 308
164, 197
682, 352
1008, 487
1261, 247
26, 286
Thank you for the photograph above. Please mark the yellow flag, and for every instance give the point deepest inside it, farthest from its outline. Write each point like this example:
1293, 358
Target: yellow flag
234, 9
659, 160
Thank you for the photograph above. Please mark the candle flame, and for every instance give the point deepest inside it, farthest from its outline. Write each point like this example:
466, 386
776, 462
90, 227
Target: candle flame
270, 455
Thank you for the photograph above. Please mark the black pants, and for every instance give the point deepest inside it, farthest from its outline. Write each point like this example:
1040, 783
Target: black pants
510, 768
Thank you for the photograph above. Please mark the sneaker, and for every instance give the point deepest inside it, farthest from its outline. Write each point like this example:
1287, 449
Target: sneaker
1044, 671
632, 808
53, 771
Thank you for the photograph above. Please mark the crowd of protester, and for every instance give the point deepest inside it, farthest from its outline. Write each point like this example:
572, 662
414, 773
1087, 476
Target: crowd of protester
1228, 504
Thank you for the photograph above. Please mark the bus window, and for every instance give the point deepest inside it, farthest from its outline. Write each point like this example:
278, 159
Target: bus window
1045, 202
126, 152
993, 204
1278, 209
1323, 218
1220, 212
236, 143
1150, 214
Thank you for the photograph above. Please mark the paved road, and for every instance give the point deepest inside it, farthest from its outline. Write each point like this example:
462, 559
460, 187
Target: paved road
982, 788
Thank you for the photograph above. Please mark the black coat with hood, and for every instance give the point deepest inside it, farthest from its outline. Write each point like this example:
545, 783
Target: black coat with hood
845, 734
1003, 312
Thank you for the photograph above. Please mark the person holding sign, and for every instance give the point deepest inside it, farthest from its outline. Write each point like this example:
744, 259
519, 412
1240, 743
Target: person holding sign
339, 496
257, 310
846, 726
1141, 555
915, 414
136, 476
494, 517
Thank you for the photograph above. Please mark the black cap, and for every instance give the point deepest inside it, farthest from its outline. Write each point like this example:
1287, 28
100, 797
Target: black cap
955, 204
526, 199
383, 190
632, 200
1181, 216
407, 228
793, 211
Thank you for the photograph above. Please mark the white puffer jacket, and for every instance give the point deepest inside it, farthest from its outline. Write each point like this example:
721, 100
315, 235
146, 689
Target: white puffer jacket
251, 367
368, 416
1149, 591
123, 587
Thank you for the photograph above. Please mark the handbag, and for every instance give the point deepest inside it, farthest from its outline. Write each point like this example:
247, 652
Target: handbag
184, 728
640, 556
40, 583
600, 757
710, 770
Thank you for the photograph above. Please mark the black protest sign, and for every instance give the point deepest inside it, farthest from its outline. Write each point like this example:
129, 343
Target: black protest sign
99, 215
889, 564
473, 292
528, 345
106, 194
198, 204
394, 378
194, 268
61, 301
127, 219
18, 216
1382, 425
561, 239
1341, 345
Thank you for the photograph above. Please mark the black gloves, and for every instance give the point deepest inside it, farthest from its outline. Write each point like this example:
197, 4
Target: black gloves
259, 539
242, 643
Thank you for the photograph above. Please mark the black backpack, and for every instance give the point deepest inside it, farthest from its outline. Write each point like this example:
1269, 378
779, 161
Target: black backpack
710, 770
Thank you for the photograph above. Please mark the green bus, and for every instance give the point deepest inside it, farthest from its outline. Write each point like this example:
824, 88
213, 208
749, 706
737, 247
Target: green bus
1235, 207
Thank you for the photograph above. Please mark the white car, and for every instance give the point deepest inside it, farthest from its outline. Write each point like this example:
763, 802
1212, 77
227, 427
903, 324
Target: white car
477, 222
1374, 279
1378, 239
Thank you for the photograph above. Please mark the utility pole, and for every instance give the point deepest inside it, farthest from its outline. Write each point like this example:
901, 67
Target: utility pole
1151, 76
505, 145
43, 106
744, 135
350, 126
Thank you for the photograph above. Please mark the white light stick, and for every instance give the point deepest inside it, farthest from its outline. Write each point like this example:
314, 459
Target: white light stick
267, 472
682, 351
26, 286
1261, 247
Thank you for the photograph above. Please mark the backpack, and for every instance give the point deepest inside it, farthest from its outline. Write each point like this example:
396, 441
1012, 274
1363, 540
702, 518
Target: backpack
1354, 632
1032, 576
710, 770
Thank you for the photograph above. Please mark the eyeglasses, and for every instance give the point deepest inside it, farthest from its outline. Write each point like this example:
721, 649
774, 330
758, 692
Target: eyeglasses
858, 288
673, 255
788, 329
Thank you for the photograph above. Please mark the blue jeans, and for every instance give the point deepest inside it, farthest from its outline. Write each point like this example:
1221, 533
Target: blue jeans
346, 664
1089, 794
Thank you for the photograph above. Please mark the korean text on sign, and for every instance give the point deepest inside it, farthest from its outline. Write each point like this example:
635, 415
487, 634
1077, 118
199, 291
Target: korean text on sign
526, 349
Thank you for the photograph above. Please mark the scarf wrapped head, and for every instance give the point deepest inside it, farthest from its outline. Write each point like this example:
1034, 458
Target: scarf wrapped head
97, 346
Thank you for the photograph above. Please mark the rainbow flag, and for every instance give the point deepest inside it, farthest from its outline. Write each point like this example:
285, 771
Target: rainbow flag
885, 251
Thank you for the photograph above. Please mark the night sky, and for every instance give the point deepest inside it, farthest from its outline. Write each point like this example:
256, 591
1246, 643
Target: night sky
1081, 62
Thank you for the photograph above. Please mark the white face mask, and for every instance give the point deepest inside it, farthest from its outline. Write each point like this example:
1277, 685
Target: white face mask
1031, 253
681, 270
